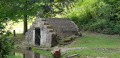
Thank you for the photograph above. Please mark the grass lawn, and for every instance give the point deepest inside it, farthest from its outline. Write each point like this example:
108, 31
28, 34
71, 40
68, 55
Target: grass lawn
91, 53
48, 53
95, 40
17, 55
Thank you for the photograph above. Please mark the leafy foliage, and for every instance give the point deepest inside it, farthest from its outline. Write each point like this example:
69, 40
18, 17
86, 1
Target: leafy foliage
6, 46
95, 15
20, 8
54, 8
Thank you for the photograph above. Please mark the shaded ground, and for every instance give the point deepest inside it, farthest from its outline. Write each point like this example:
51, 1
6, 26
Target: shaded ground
18, 39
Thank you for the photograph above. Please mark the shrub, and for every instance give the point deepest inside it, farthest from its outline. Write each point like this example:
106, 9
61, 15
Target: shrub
104, 26
6, 46
95, 15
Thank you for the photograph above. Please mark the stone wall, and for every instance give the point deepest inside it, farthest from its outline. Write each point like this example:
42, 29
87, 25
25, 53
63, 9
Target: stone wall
29, 36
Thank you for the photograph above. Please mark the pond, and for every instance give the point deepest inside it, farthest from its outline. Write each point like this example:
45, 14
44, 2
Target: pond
28, 54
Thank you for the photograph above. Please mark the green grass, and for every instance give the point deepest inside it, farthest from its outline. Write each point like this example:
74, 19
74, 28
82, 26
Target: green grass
48, 53
12, 56
96, 40
93, 53
17, 55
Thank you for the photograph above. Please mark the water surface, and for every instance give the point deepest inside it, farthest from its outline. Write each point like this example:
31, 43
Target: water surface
28, 54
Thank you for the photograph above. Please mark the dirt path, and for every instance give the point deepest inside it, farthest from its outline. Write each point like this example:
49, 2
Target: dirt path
65, 48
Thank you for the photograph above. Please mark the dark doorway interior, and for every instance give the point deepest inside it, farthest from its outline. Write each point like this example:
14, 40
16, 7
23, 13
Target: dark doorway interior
37, 36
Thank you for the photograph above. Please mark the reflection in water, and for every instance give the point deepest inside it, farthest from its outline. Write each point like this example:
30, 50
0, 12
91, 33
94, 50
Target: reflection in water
28, 54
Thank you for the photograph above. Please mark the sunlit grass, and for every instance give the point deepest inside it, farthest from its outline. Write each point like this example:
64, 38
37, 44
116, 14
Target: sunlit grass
17, 55
84, 53
95, 40
48, 53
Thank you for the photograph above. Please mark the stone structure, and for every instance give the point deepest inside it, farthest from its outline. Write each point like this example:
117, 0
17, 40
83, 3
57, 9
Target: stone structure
46, 31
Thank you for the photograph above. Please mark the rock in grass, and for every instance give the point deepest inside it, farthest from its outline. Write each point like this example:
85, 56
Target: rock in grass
56, 53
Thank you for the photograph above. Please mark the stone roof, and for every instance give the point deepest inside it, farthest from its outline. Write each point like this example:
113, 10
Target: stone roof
61, 25
64, 24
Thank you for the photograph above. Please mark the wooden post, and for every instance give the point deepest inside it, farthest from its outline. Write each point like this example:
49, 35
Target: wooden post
14, 33
23, 55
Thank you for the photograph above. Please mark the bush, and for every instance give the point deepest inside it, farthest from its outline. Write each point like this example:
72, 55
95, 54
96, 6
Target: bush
95, 15
104, 26
6, 46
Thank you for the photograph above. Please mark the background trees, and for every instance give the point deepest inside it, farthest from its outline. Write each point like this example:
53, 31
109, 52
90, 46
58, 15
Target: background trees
95, 15
20, 9
24, 9
99, 15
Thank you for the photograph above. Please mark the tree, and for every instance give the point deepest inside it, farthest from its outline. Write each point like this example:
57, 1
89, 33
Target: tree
23, 9
55, 7
3, 19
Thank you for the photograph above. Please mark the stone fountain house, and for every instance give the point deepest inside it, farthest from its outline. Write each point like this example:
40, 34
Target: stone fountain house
46, 31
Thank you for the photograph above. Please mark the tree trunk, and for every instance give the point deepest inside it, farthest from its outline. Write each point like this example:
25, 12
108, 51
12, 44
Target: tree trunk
25, 18
25, 24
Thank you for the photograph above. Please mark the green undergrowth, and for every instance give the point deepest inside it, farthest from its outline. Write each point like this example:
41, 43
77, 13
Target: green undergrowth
101, 16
